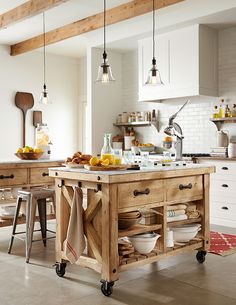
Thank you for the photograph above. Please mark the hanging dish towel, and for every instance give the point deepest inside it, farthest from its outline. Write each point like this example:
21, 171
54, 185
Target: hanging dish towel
74, 243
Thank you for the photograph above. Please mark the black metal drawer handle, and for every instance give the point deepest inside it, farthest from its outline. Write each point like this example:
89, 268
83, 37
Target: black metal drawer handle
224, 208
183, 187
6, 177
225, 185
138, 193
45, 174
224, 168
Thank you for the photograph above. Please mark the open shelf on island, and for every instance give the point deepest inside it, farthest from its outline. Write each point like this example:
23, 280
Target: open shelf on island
219, 121
183, 222
137, 229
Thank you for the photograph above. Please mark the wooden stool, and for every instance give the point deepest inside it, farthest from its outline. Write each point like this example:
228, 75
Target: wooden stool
33, 198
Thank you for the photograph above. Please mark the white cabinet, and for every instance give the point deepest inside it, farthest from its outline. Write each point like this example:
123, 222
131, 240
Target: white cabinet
223, 193
187, 60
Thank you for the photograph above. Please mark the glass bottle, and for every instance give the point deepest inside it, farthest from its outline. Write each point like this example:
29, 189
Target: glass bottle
107, 151
222, 109
234, 111
228, 113
42, 135
216, 113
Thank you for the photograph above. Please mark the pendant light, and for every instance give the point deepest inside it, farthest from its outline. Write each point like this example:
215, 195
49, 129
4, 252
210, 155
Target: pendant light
44, 98
154, 77
104, 71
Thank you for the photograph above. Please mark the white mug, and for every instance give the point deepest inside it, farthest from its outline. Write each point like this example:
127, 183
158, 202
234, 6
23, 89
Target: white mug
232, 150
170, 239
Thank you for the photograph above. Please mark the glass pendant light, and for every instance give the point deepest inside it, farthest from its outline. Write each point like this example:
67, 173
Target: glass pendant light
104, 71
44, 98
154, 77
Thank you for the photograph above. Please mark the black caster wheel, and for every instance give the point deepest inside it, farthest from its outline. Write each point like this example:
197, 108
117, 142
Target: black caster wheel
106, 288
61, 269
201, 256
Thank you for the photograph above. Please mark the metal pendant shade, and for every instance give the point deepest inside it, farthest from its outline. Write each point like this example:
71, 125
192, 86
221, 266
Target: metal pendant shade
104, 70
44, 98
154, 76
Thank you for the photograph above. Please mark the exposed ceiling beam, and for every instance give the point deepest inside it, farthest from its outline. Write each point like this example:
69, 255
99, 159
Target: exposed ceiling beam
26, 10
120, 13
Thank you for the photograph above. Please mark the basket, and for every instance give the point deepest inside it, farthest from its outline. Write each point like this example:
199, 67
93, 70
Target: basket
29, 155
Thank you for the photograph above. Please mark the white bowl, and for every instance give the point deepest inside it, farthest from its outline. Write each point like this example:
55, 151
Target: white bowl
144, 243
185, 233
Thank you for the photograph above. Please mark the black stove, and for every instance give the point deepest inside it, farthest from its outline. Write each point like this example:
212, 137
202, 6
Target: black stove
195, 155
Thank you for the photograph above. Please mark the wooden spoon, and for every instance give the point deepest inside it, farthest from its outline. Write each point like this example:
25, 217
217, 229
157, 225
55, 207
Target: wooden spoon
24, 101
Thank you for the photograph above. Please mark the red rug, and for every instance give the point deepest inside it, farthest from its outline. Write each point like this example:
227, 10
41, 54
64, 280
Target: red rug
222, 244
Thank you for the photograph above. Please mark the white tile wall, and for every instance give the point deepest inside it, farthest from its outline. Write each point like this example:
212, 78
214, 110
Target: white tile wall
199, 132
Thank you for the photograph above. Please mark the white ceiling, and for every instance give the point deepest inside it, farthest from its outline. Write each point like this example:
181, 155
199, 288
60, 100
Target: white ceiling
218, 14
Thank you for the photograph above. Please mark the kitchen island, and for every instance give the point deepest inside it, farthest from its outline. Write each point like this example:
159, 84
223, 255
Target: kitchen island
114, 192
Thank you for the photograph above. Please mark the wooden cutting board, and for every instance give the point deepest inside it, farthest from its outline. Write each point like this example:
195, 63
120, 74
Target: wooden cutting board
105, 168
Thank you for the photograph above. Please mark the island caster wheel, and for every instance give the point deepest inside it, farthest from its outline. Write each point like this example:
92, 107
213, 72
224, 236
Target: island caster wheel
61, 269
106, 288
200, 256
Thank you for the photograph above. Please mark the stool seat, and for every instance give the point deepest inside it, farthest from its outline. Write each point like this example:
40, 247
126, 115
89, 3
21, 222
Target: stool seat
33, 198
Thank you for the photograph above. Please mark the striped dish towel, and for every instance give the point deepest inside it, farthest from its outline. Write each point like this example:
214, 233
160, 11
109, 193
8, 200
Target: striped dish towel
173, 213
74, 243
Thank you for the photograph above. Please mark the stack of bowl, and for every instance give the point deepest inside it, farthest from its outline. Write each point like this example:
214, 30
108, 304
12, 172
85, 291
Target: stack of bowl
186, 232
128, 220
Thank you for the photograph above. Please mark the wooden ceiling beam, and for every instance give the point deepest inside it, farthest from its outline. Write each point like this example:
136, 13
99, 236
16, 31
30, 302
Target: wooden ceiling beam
26, 10
114, 15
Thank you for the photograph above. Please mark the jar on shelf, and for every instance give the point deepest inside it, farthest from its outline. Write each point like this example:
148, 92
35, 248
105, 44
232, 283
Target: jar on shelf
42, 135
124, 118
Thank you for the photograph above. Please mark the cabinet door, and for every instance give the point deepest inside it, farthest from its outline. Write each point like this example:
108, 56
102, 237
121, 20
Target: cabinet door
145, 64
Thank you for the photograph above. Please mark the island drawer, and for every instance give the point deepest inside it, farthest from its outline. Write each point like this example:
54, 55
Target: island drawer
40, 175
187, 188
12, 177
140, 193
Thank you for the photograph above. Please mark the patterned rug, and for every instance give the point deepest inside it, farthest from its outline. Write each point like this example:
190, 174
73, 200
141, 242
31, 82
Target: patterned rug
222, 244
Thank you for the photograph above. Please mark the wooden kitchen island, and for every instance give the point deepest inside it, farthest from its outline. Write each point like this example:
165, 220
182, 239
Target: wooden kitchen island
110, 193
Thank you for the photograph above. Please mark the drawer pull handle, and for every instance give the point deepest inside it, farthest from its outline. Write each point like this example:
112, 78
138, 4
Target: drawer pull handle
6, 177
225, 185
45, 174
138, 193
188, 186
224, 208
225, 168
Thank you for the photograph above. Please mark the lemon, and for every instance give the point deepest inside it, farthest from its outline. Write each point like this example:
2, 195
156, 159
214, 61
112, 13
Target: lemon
19, 150
94, 161
105, 162
26, 149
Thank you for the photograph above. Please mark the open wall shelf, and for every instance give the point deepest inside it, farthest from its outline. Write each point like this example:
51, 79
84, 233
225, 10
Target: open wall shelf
219, 121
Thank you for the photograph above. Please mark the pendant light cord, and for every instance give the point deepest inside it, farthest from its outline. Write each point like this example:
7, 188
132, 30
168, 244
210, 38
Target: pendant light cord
104, 30
44, 50
153, 30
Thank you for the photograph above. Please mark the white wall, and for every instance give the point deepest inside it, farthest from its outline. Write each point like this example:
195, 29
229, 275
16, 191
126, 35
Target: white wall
199, 132
105, 101
25, 73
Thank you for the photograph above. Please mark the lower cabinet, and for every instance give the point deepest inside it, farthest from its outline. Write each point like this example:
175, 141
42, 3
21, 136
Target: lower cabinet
223, 193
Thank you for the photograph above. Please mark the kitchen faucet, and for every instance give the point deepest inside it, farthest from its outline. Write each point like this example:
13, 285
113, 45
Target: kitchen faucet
173, 129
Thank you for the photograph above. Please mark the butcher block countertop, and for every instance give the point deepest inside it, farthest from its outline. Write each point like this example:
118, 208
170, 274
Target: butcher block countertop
158, 172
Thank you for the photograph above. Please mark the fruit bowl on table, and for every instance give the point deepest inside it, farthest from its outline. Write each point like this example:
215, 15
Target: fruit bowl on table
147, 148
29, 155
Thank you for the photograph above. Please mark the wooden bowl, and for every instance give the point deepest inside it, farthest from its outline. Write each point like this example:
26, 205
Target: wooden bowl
124, 223
29, 155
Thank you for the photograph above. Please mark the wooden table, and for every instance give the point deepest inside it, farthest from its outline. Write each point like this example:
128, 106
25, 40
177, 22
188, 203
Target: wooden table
25, 174
110, 193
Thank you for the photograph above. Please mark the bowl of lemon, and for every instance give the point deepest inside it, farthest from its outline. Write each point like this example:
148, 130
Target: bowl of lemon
149, 147
29, 153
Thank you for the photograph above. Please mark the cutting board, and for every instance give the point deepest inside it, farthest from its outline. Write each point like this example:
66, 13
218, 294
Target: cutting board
105, 168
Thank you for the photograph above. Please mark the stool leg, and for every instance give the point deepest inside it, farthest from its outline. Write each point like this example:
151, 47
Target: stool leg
42, 208
18, 205
31, 209
54, 203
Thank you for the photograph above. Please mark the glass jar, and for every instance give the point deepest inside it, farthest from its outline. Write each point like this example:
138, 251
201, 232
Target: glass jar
42, 135
107, 151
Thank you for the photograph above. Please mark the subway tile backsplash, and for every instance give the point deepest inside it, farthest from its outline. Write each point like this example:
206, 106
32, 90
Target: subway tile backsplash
199, 132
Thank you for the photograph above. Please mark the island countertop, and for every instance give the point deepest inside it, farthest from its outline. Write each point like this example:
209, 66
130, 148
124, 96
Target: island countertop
157, 172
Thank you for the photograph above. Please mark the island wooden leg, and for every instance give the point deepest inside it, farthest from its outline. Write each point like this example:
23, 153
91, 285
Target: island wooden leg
205, 212
110, 258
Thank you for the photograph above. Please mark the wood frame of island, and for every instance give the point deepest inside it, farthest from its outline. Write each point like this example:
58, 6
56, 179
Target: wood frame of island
109, 194
25, 174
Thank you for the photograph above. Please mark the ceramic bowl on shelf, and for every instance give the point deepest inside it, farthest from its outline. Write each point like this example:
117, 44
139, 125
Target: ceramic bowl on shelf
124, 224
185, 233
29, 155
144, 243
147, 148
